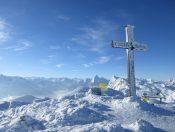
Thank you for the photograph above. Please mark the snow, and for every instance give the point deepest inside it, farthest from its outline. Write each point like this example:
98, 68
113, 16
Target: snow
80, 110
118, 84
142, 126
25, 123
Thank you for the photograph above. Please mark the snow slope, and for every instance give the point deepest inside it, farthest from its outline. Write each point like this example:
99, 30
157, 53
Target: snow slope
80, 110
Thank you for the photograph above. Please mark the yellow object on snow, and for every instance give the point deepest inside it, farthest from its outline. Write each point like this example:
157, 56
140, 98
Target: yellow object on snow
146, 99
102, 86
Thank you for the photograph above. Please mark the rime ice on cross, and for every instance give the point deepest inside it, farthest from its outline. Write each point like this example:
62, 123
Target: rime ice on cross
130, 45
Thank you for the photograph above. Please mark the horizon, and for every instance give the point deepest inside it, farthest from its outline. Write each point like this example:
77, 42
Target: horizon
72, 39
35, 77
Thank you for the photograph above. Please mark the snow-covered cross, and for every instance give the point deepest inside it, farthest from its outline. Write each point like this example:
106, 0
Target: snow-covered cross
130, 45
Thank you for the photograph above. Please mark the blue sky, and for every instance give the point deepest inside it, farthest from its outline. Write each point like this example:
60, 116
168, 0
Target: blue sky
71, 38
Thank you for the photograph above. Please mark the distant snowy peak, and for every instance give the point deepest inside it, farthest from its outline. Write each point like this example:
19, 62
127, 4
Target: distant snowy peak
38, 86
171, 82
117, 83
97, 80
50, 87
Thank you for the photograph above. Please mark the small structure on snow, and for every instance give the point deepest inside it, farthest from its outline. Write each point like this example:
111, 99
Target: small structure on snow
159, 95
99, 90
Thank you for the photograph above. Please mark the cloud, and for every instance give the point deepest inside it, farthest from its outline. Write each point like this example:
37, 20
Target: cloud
52, 56
119, 58
103, 59
6, 39
100, 60
57, 47
88, 64
4, 36
68, 47
63, 17
23, 45
4, 30
45, 62
59, 65
19, 46
96, 37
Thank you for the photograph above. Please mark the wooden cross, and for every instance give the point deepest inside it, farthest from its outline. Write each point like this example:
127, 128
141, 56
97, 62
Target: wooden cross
130, 45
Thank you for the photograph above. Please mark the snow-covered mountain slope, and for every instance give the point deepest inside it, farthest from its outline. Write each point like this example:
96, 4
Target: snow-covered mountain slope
80, 110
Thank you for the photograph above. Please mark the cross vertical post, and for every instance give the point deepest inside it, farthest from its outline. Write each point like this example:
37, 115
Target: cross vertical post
130, 60
130, 45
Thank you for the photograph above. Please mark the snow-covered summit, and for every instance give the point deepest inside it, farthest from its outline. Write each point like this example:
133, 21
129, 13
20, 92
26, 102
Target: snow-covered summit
80, 110
83, 111
119, 84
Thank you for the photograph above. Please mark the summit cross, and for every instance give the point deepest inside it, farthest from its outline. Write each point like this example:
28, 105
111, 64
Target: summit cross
130, 45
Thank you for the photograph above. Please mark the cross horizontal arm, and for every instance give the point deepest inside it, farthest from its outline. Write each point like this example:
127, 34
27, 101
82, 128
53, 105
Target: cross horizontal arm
129, 45
139, 46
123, 45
